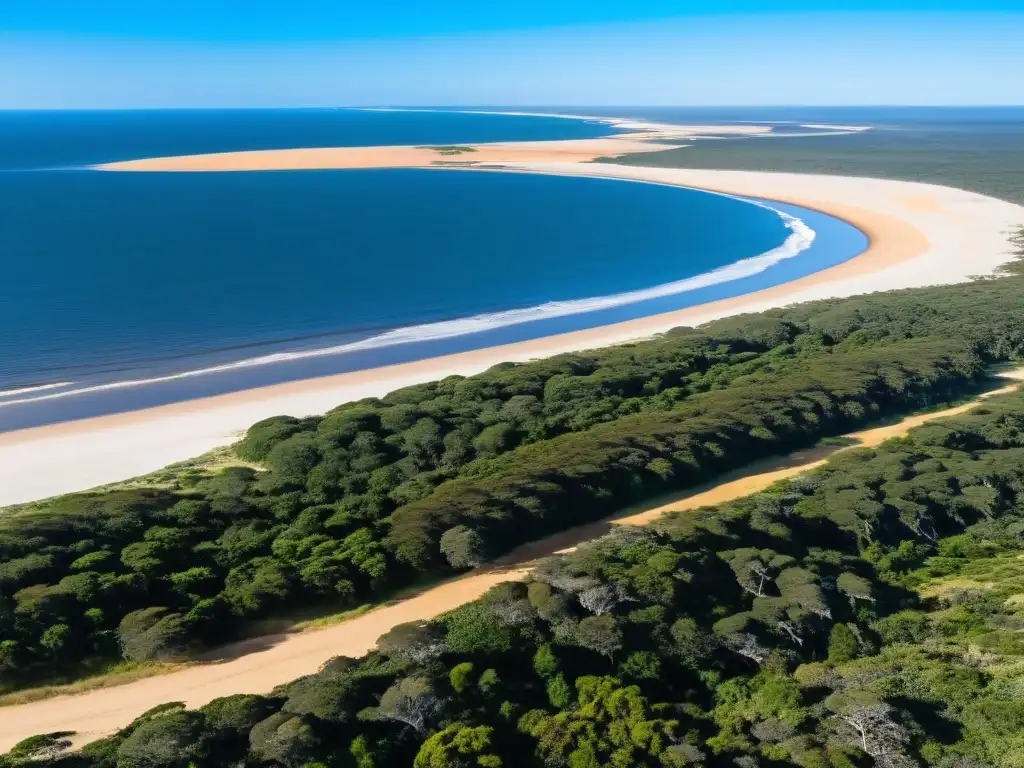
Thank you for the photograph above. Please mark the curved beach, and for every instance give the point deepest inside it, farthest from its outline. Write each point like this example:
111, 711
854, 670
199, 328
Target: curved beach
919, 235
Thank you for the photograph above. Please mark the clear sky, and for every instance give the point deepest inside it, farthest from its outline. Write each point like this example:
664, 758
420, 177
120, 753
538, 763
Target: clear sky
234, 53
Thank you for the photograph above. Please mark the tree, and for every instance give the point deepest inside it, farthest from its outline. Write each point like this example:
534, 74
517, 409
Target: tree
603, 598
152, 634
463, 547
554, 607
10, 659
410, 701
330, 698
285, 739
416, 641
476, 629
693, 645
424, 442
175, 739
611, 725
459, 676
488, 682
458, 447
458, 746
545, 662
40, 750
56, 638
641, 665
855, 588
494, 440
238, 713
560, 693
508, 601
868, 723
842, 644
262, 436
293, 458
747, 645
600, 634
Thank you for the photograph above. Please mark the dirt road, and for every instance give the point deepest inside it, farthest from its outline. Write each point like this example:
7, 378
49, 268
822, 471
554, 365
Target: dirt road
257, 666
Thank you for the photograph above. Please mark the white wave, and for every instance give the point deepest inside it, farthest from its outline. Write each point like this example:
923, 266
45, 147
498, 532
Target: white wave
39, 388
800, 239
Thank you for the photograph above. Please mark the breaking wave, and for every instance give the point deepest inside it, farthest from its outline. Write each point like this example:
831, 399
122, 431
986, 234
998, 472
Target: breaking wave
800, 238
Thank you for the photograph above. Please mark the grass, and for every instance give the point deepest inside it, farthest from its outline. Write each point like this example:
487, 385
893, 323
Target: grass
451, 149
173, 477
306, 619
183, 473
115, 673
321, 615
838, 441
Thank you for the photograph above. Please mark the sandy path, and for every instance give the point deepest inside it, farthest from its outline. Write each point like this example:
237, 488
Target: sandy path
919, 235
258, 666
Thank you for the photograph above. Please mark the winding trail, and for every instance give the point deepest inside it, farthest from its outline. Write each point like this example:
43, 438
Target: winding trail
259, 665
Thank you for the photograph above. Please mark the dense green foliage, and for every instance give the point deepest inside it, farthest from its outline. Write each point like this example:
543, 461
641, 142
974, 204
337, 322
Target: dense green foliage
360, 500
379, 493
869, 612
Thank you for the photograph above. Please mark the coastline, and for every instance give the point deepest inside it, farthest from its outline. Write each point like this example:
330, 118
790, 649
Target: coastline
632, 136
918, 234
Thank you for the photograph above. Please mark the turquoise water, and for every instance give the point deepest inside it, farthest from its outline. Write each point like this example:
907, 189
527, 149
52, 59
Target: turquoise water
204, 283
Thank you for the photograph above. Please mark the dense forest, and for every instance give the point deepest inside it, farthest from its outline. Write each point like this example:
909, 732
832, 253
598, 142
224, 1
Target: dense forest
385, 492
439, 477
867, 613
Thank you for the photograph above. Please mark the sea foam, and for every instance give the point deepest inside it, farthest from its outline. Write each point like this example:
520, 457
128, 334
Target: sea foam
800, 238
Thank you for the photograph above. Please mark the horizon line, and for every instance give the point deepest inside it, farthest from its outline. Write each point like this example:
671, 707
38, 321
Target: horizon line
510, 106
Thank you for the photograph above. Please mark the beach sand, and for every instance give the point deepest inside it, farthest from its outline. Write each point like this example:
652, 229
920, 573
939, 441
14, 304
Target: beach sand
635, 136
259, 665
920, 235
574, 150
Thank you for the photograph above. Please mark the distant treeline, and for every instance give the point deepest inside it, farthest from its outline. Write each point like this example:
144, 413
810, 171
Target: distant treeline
868, 613
384, 492
990, 162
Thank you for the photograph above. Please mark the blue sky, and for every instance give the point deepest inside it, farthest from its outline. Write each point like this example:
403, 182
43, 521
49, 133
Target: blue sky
207, 53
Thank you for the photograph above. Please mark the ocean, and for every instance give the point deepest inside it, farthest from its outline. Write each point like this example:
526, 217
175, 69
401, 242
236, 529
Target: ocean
122, 291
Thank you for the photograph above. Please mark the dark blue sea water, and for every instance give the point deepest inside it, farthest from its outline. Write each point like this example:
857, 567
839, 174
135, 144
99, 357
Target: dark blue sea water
57, 139
256, 278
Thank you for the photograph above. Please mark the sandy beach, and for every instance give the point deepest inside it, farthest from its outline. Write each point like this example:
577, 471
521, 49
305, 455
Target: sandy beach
633, 136
920, 235
259, 665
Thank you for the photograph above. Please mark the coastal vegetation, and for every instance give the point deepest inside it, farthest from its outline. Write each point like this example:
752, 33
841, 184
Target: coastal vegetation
341, 510
452, 149
984, 158
379, 494
865, 613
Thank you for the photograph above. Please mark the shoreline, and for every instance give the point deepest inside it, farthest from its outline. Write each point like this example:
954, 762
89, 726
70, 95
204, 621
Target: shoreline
630, 136
918, 234
815, 241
